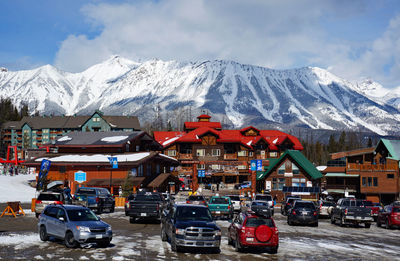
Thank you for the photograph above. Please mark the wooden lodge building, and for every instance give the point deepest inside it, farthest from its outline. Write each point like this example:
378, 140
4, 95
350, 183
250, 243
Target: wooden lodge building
370, 173
209, 153
138, 162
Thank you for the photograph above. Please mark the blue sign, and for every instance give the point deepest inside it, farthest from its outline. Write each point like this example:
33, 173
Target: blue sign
80, 176
44, 169
201, 173
259, 165
113, 162
253, 165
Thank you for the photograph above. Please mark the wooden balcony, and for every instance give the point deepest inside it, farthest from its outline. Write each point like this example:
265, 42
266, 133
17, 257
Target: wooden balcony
372, 167
232, 156
261, 156
185, 156
348, 187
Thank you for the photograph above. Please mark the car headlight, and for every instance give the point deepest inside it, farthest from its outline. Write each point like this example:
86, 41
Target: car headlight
218, 232
179, 231
83, 229
109, 228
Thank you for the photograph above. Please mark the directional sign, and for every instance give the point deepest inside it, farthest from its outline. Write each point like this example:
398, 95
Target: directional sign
113, 162
80, 176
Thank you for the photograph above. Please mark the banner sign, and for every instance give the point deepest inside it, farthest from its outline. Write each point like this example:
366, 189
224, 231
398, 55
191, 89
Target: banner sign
80, 176
44, 169
259, 165
113, 162
201, 173
253, 165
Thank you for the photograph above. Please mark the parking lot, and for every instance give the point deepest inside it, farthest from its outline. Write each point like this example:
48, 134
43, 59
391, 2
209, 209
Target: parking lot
20, 241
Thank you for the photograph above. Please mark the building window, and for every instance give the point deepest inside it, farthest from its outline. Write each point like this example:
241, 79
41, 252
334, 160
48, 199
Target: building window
242, 167
216, 152
96, 119
140, 171
364, 182
148, 170
278, 183
298, 182
171, 153
137, 148
201, 166
375, 181
201, 152
242, 153
390, 176
45, 131
295, 170
215, 167
158, 169
250, 154
281, 170
369, 181
273, 154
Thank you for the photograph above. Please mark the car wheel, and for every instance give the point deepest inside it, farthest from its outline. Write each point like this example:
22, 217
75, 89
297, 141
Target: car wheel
163, 234
289, 222
332, 220
367, 225
272, 213
112, 209
387, 225
69, 240
37, 215
238, 247
132, 220
43, 234
274, 250
341, 221
99, 210
230, 241
104, 243
378, 222
315, 224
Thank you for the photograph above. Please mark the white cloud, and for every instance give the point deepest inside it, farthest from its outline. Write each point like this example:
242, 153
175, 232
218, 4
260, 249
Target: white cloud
276, 34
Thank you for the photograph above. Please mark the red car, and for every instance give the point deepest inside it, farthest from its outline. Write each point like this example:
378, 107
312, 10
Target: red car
374, 208
390, 216
249, 230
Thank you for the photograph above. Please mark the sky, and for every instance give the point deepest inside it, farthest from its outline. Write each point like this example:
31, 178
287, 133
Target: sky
355, 39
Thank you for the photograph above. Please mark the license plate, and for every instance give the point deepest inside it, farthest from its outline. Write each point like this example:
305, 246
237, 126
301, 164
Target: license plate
249, 239
80, 199
304, 212
99, 236
143, 214
217, 212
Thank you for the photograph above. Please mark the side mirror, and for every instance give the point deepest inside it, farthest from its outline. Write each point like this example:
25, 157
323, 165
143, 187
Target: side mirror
61, 219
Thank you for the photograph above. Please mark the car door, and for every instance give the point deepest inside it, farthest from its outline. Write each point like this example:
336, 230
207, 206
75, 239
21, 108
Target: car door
50, 222
59, 225
169, 222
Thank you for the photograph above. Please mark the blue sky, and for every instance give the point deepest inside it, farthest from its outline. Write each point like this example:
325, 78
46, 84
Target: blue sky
353, 39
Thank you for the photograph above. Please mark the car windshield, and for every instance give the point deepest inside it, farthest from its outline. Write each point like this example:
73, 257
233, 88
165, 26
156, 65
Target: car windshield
291, 200
188, 213
353, 203
328, 204
396, 210
236, 198
264, 197
200, 198
49, 197
86, 191
300, 204
219, 201
257, 221
81, 215
259, 204
368, 204
149, 197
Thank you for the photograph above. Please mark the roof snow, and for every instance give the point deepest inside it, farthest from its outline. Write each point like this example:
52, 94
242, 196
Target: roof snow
114, 139
97, 157
170, 140
65, 138
249, 143
275, 141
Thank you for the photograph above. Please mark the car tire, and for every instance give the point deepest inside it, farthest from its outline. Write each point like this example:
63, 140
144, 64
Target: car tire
238, 247
333, 221
230, 241
274, 250
112, 209
164, 236
69, 240
272, 212
341, 221
290, 223
315, 224
367, 225
387, 225
37, 215
43, 233
132, 220
104, 243
378, 222
99, 210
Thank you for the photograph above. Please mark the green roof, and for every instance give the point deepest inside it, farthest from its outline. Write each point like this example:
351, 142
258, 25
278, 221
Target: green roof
297, 158
393, 146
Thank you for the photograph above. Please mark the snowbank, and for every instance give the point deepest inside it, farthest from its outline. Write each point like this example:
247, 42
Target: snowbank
16, 188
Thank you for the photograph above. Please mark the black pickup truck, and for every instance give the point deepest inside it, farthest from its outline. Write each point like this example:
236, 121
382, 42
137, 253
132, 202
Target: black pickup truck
187, 225
351, 211
145, 205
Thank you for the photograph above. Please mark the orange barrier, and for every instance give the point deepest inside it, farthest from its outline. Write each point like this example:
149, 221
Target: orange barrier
119, 202
33, 205
13, 209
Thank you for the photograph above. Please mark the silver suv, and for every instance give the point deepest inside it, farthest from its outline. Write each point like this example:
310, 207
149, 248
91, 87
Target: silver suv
74, 225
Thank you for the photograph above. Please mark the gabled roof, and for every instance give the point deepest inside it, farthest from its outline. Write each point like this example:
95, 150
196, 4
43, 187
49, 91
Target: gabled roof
195, 135
199, 124
106, 138
393, 147
298, 158
204, 116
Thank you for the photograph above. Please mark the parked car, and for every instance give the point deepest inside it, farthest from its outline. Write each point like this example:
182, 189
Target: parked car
266, 198
46, 198
251, 230
74, 224
374, 209
221, 207
288, 203
325, 208
261, 207
146, 205
236, 202
187, 225
97, 199
390, 216
303, 213
244, 184
197, 200
127, 199
351, 210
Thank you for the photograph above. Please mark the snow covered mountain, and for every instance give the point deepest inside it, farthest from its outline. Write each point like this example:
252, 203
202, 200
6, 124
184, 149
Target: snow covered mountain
234, 93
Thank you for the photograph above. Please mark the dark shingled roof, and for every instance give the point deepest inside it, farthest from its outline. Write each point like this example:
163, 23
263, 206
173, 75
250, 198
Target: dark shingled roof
95, 138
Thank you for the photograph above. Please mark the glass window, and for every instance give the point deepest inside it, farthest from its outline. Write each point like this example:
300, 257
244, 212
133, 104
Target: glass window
172, 153
390, 176
375, 181
216, 152
250, 154
242, 153
281, 170
201, 152
215, 166
369, 181
273, 154
295, 169
242, 167
201, 166
81, 215
364, 182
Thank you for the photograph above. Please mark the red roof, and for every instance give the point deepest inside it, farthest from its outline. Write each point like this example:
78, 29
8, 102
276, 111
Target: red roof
204, 116
198, 124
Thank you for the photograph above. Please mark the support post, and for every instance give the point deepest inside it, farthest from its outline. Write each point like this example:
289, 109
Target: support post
253, 181
195, 184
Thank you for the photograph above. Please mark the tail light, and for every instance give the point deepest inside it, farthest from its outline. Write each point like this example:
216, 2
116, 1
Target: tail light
58, 202
38, 201
243, 230
97, 199
315, 213
320, 206
187, 202
345, 211
204, 202
294, 212
288, 204
74, 198
229, 207
158, 207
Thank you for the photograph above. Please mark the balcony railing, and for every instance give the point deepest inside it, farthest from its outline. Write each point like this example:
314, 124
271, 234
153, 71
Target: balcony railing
185, 156
341, 186
230, 156
372, 167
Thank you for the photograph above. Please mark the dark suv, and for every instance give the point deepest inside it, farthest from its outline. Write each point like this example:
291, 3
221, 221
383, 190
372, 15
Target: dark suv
288, 203
190, 226
303, 213
74, 225
94, 198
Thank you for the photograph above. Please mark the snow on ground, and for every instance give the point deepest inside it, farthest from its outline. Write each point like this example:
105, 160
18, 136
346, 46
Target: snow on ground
16, 188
